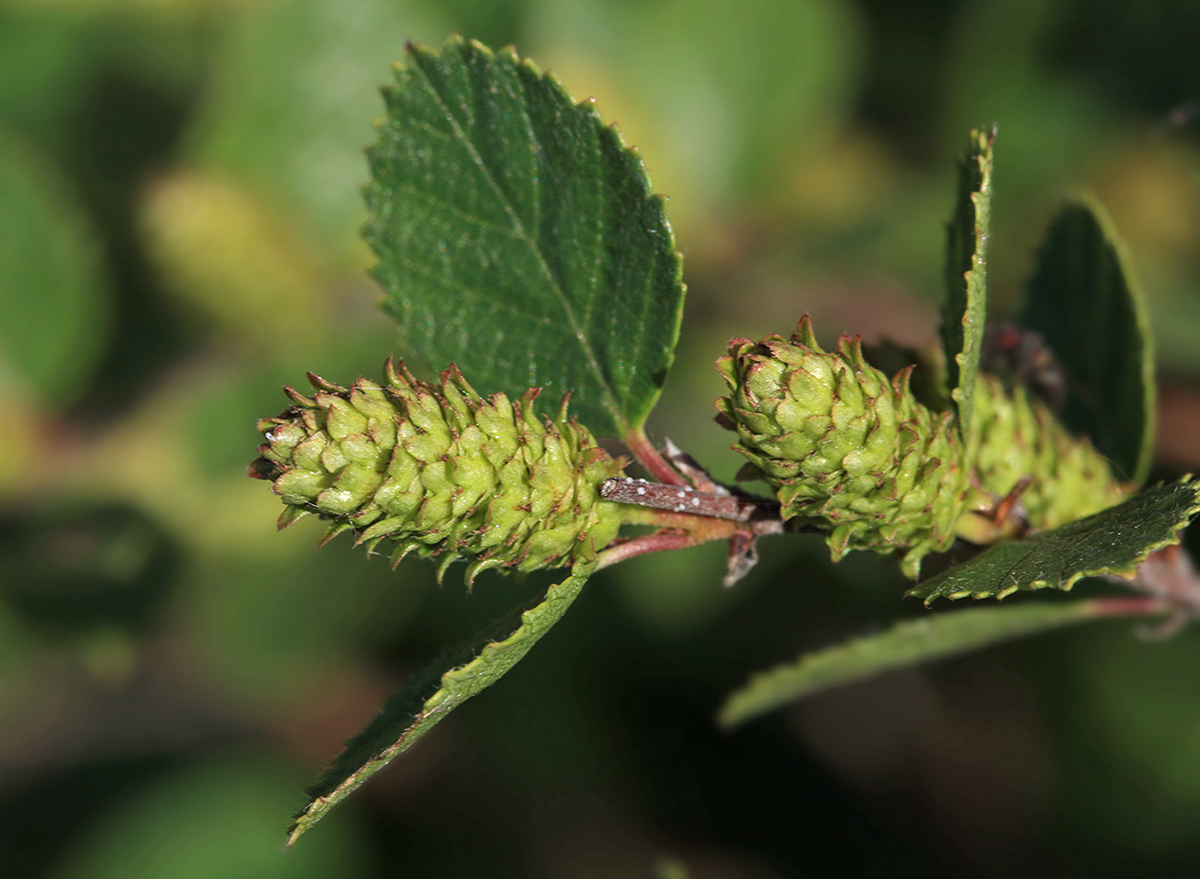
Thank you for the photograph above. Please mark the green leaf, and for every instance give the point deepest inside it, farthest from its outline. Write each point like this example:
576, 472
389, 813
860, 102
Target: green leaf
518, 237
906, 643
1084, 303
965, 309
1113, 541
433, 694
286, 110
53, 308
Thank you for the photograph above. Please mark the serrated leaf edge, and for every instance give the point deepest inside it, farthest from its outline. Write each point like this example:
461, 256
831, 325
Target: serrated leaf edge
980, 150
1034, 585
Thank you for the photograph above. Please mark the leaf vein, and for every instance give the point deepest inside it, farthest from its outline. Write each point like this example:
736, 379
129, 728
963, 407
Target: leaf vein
523, 234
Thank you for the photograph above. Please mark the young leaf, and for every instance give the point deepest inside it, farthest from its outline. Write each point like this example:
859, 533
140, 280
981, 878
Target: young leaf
965, 308
906, 643
518, 236
430, 696
1084, 303
1112, 541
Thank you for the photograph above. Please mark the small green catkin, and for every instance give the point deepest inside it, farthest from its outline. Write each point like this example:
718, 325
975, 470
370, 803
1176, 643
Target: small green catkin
438, 470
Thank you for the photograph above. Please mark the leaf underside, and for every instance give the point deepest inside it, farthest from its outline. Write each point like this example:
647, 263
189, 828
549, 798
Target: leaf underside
1083, 302
518, 237
904, 644
430, 696
965, 308
1113, 542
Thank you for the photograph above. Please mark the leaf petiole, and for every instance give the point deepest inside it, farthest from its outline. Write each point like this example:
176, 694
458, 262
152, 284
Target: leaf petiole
650, 458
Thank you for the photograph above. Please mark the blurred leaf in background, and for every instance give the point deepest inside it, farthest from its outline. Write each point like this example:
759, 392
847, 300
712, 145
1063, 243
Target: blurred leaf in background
233, 264
54, 312
721, 99
296, 84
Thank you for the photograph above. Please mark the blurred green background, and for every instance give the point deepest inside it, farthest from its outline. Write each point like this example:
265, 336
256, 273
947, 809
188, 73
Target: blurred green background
178, 214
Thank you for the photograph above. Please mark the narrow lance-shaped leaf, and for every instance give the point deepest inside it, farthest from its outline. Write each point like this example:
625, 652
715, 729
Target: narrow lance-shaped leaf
904, 644
965, 309
1113, 541
518, 237
432, 695
1083, 301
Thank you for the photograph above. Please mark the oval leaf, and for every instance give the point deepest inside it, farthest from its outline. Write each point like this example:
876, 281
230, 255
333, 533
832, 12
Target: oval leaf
518, 237
965, 309
904, 644
1113, 541
1083, 302
431, 695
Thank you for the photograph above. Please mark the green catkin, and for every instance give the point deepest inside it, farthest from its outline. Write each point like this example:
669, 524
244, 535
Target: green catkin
1020, 436
853, 454
437, 470
846, 449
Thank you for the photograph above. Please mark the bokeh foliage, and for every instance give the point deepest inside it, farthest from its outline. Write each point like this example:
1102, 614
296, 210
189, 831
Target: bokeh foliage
179, 210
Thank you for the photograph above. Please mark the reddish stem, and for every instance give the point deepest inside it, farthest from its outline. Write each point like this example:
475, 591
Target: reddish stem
677, 531
650, 458
656, 542
1131, 605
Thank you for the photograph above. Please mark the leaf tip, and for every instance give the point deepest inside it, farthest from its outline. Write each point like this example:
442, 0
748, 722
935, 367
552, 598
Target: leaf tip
302, 821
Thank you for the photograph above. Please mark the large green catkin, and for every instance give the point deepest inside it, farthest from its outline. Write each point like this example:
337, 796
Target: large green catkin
846, 448
438, 470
